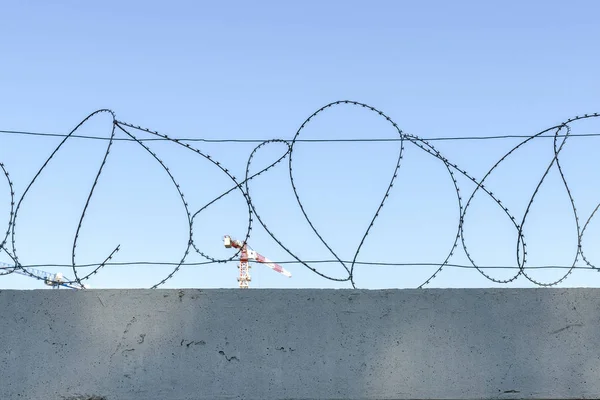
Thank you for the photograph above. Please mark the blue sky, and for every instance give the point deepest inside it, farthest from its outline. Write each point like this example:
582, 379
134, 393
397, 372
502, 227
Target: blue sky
257, 70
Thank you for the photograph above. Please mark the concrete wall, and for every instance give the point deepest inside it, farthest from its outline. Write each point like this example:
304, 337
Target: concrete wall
299, 344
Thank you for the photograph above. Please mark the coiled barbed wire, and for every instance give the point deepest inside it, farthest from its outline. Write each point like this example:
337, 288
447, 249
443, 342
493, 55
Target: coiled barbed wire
561, 131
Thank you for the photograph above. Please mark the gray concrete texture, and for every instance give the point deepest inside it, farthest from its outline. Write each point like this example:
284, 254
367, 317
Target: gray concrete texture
300, 344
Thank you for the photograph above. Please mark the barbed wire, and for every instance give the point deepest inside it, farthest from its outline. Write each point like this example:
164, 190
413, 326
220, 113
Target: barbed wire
10, 267
353, 140
559, 133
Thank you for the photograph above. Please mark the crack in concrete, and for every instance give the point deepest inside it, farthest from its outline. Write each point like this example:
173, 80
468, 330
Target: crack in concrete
221, 352
565, 328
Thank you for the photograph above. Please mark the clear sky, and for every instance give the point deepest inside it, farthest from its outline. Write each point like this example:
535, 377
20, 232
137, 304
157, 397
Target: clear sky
257, 70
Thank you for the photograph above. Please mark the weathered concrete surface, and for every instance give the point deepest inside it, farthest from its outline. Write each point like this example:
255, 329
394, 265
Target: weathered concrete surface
300, 344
